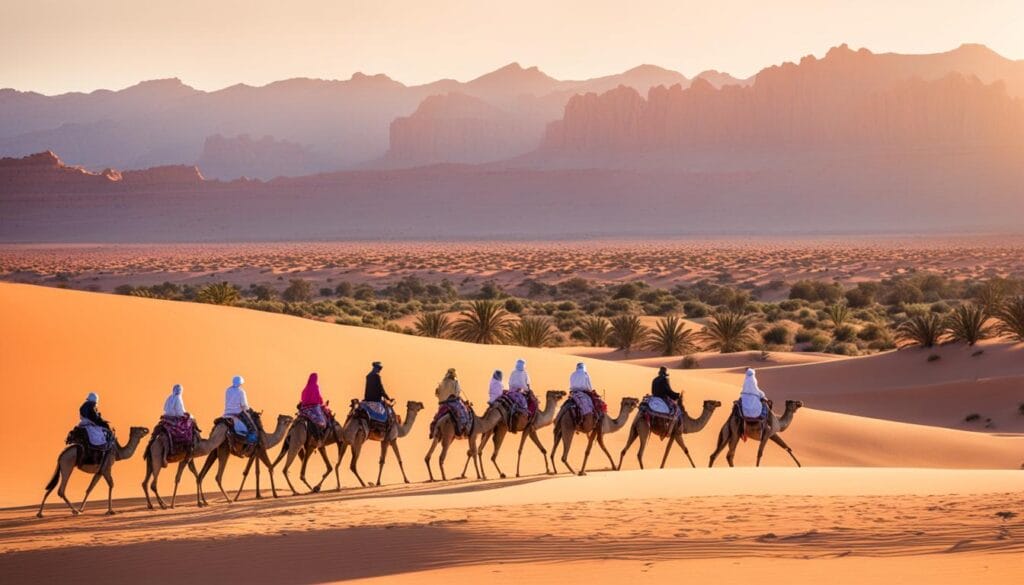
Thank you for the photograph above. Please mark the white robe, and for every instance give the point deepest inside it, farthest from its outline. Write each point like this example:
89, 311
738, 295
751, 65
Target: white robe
751, 396
236, 402
580, 380
518, 380
174, 406
494, 391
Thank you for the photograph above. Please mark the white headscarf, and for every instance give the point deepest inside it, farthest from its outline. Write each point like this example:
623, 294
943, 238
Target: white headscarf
174, 405
750, 384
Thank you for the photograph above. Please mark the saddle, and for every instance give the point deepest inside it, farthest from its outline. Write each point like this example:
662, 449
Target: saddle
182, 433
518, 405
660, 414
87, 453
583, 404
461, 413
757, 423
243, 445
378, 416
319, 422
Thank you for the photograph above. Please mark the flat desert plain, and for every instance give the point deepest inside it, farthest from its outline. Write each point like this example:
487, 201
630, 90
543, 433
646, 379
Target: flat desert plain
891, 489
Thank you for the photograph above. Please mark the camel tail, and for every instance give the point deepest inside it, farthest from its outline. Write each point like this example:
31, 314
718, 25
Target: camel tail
54, 479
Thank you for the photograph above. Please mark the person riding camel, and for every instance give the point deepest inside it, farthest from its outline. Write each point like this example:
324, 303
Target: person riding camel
662, 388
519, 381
94, 424
374, 390
579, 381
496, 389
311, 404
449, 388
449, 398
753, 401
236, 408
176, 421
174, 406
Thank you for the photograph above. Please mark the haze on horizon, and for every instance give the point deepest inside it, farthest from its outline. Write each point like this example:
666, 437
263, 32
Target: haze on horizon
54, 46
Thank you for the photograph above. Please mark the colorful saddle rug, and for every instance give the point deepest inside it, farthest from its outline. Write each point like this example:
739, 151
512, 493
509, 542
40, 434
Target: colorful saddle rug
461, 414
375, 411
88, 452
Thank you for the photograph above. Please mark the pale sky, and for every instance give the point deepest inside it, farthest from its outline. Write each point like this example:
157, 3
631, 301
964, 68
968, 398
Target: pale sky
56, 46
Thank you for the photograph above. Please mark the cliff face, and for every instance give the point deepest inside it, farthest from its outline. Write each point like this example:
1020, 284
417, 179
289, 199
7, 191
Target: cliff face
45, 172
242, 156
843, 102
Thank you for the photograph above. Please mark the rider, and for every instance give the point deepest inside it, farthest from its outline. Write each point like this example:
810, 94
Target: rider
579, 381
753, 402
496, 388
311, 404
374, 391
176, 421
662, 388
449, 394
519, 380
236, 408
174, 406
94, 424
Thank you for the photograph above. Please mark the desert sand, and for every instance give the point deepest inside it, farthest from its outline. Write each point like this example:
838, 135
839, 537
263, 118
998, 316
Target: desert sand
873, 497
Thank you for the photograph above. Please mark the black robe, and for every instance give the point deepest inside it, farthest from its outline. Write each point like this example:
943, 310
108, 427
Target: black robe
374, 389
661, 388
88, 412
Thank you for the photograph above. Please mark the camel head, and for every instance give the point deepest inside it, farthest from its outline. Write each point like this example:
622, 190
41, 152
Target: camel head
284, 419
630, 403
794, 404
414, 406
712, 404
138, 431
555, 395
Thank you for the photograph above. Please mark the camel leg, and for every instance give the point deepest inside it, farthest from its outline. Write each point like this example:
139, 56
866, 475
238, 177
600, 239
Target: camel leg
734, 440
633, 434
445, 445
499, 438
200, 500
566, 445
401, 467
536, 441
337, 466
470, 454
304, 455
778, 441
107, 475
145, 483
586, 454
264, 456
678, 438
220, 456
177, 479
327, 465
95, 479
62, 490
245, 475
600, 443
430, 453
723, 440
383, 457
357, 447
287, 465
59, 476
760, 447
644, 437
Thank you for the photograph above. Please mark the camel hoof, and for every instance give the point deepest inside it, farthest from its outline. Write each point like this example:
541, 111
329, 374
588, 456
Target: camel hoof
259, 497
502, 476
582, 473
75, 512
150, 506
316, 490
110, 513
163, 507
39, 514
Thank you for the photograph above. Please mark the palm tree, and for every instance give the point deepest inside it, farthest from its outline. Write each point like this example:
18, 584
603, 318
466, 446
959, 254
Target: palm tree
433, 324
729, 332
838, 313
596, 330
1011, 318
531, 332
671, 337
627, 331
220, 293
967, 323
925, 330
992, 294
483, 322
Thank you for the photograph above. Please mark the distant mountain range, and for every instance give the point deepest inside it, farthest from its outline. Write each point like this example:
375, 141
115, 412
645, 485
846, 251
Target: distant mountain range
853, 141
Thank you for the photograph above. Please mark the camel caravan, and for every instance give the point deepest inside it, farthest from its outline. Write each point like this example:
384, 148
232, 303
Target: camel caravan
93, 447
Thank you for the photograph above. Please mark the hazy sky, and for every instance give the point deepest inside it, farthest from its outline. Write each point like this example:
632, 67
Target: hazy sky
53, 46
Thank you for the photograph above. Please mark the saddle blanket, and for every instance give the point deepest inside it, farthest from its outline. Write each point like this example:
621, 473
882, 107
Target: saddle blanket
752, 407
518, 400
314, 413
658, 406
97, 434
239, 425
584, 403
179, 428
375, 410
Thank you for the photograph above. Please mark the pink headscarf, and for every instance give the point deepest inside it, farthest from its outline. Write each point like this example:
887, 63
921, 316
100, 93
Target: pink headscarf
311, 393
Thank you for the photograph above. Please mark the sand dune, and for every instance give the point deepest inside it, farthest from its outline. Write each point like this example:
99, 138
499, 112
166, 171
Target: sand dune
59, 345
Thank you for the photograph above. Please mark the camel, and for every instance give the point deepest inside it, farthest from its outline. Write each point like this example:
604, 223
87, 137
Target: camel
220, 456
566, 428
642, 429
527, 428
733, 429
301, 443
444, 433
356, 431
157, 452
67, 462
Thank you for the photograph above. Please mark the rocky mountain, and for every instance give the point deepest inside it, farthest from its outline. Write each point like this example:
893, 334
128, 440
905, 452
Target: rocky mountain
243, 156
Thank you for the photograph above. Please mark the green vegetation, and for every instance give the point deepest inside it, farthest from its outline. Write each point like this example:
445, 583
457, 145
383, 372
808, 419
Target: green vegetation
433, 324
671, 337
729, 332
485, 321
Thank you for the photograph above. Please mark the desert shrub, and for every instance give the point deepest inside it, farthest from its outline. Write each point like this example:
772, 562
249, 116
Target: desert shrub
364, 292
842, 348
298, 291
124, 289
904, 293
729, 332
882, 343
627, 332
351, 321
326, 292
514, 305
696, 309
596, 331
629, 290
778, 335
575, 286
818, 343
689, 363
844, 333
967, 323
263, 292
815, 290
531, 332
671, 337
872, 332
838, 314
924, 330
804, 335
1011, 318
491, 290
940, 307
344, 289
484, 321
810, 323
863, 295
790, 305
433, 324
220, 293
